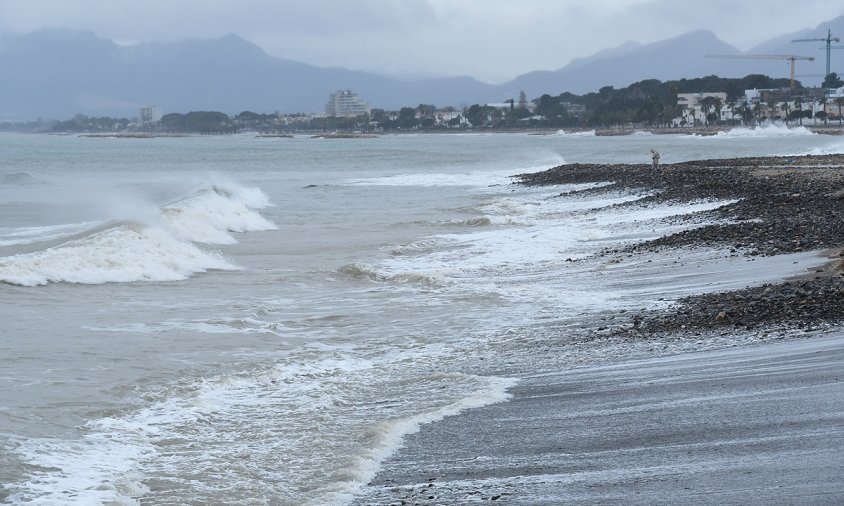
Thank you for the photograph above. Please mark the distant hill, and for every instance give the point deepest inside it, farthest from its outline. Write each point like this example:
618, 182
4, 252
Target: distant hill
55, 74
783, 45
683, 56
673, 58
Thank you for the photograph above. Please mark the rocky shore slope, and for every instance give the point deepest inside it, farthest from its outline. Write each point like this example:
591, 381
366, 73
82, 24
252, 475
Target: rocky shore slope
782, 205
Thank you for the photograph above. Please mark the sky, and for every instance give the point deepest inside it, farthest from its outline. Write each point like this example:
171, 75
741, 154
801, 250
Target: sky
490, 40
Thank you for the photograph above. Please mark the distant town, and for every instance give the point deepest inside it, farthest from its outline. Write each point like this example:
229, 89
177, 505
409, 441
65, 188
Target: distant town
651, 104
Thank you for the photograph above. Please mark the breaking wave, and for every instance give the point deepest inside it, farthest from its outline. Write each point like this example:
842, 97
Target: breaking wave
368, 273
762, 131
563, 133
159, 245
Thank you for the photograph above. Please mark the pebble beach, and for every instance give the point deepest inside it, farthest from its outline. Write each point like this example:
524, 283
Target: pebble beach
716, 398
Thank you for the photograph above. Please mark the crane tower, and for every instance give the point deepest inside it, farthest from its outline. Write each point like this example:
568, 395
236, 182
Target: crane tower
790, 57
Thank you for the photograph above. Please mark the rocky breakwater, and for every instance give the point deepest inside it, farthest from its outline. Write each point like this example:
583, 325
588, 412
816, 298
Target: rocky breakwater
783, 205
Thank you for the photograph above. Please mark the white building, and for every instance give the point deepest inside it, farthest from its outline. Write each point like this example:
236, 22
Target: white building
346, 103
150, 114
691, 105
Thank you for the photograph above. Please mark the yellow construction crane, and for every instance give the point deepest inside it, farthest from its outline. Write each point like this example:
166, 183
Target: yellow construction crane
789, 57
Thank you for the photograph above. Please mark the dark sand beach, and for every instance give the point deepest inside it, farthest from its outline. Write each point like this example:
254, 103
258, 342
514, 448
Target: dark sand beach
720, 398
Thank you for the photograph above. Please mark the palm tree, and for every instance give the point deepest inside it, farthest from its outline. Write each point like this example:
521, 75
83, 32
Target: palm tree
840, 102
786, 108
798, 105
731, 106
772, 105
718, 105
757, 112
825, 103
706, 106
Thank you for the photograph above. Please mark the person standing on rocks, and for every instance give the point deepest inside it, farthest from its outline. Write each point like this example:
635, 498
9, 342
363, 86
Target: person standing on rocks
655, 158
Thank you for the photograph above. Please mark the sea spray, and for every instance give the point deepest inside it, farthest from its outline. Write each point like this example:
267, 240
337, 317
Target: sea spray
144, 244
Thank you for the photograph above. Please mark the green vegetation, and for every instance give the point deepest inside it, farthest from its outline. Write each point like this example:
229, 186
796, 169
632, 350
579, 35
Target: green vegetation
204, 122
648, 103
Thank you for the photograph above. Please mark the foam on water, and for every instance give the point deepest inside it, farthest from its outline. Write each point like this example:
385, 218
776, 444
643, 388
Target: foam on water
836, 148
28, 235
157, 245
563, 133
209, 215
471, 179
306, 408
123, 253
761, 132
504, 259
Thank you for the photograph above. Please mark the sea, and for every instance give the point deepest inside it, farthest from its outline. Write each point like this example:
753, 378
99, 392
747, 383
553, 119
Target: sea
245, 320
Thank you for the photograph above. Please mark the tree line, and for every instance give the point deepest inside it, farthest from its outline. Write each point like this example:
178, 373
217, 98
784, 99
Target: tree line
650, 103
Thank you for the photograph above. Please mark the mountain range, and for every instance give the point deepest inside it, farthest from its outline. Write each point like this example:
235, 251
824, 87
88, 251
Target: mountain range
56, 73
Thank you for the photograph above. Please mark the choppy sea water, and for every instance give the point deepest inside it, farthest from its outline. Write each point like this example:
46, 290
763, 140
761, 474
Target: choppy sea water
244, 320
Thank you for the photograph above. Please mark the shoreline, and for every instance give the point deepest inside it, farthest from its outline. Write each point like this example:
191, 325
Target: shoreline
742, 410
703, 131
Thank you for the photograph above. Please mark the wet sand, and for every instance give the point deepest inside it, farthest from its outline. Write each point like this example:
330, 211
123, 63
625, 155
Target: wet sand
747, 425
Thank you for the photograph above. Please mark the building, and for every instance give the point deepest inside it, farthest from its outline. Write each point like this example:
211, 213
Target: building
695, 100
692, 107
346, 103
835, 92
150, 114
576, 110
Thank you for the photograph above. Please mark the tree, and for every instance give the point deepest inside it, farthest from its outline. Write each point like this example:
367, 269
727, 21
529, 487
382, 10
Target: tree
839, 101
798, 106
757, 112
707, 105
832, 81
407, 117
746, 113
522, 100
731, 106
772, 105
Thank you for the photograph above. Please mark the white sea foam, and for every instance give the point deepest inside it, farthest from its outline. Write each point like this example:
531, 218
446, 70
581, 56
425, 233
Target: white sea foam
467, 179
563, 133
833, 149
258, 416
152, 245
123, 253
549, 233
761, 132
209, 215
29, 235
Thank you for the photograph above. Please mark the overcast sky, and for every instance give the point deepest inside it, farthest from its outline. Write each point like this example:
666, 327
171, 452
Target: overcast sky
491, 40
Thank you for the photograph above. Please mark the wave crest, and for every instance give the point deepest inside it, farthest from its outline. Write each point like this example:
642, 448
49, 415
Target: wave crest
211, 213
761, 132
123, 253
149, 245
364, 272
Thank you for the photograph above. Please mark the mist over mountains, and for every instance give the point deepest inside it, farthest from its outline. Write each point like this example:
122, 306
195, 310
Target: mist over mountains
55, 74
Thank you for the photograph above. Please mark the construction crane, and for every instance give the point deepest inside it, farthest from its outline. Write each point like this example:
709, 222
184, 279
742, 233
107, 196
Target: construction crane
789, 57
829, 40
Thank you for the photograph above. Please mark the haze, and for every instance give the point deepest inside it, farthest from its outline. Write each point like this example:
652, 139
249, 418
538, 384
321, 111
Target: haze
490, 40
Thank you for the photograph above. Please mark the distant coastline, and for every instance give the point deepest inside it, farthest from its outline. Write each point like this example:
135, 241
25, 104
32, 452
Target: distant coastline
598, 132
